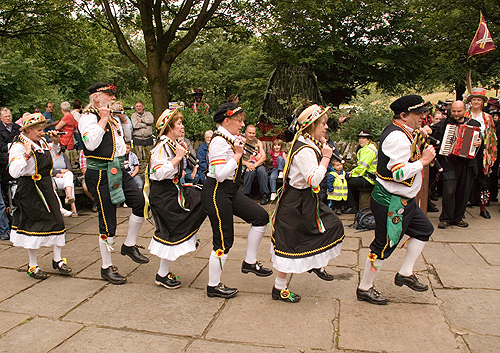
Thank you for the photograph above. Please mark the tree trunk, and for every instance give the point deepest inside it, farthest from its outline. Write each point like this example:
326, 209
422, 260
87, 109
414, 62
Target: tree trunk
459, 91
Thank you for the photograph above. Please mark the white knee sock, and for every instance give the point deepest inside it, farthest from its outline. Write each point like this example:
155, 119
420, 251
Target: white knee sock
32, 256
368, 276
280, 283
214, 269
105, 254
413, 250
164, 267
254, 237
57, 253
134, 225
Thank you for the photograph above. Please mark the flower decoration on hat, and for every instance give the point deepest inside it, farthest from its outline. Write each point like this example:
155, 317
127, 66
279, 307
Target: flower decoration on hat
230, 112
168, 113
32, 120
416, 106
108, 87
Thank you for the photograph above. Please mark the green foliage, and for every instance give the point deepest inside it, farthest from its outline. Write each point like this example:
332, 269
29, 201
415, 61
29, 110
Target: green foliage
372, 112
195, 124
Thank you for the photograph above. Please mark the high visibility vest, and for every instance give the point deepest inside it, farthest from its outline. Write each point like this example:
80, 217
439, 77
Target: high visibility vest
367, 162
340, 188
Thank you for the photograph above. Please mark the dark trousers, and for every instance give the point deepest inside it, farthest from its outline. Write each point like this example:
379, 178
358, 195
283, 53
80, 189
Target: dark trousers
493, 181
221, 201
415, 224
97, 184
353, 195
262, 178
457, 186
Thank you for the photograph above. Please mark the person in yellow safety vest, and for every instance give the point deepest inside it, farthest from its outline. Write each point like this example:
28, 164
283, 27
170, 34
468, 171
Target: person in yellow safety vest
336, 184
363, 176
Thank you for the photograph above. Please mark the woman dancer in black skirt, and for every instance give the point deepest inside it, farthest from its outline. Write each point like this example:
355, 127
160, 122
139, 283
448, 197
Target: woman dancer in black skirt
306, 232
37, 220
176, 208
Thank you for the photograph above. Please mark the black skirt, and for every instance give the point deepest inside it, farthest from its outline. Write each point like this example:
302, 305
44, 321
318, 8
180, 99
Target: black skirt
174, 224
297, 231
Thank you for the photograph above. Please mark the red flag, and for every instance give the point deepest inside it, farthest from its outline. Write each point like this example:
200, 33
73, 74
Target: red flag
482, 42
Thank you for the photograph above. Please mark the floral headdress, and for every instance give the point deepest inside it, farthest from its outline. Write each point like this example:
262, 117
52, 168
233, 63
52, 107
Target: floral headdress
31, 120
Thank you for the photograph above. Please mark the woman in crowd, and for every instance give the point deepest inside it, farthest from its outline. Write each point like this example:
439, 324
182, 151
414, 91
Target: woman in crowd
67, 124
177, 210
306, 232
62, 174
37, 220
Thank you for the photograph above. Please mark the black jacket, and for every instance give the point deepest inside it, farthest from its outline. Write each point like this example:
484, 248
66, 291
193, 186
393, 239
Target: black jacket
6, 137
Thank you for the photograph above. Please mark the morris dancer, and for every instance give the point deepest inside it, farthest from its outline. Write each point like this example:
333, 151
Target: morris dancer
104, 139
37, 220
399, 178
221, 200
306, 232
177, 209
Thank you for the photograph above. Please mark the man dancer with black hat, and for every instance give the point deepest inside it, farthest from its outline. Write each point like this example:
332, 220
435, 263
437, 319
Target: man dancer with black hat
221, 200
104, 136
399, 178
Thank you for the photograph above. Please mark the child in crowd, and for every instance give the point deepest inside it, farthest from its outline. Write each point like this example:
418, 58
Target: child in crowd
131, 165
336, 184
278, 157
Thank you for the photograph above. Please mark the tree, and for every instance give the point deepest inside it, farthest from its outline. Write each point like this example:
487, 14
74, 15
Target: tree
167, 29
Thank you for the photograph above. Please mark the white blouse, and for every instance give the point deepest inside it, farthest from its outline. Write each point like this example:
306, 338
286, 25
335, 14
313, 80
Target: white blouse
161, 156
305, 171
18, 166
94, 133
221, 153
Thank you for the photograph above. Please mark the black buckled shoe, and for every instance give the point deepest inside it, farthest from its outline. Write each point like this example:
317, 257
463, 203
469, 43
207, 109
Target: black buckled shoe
111, 275
485, 214
285, 295
169, 281
36, 273
134, 254
256, 268
61, 266
411, 282
221, 291
321, 273
372, 296
265, 199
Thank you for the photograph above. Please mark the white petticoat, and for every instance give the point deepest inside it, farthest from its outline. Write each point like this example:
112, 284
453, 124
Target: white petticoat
34, 242
303, 264
172, 252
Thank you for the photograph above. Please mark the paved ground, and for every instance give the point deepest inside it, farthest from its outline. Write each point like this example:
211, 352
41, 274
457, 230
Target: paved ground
461, 312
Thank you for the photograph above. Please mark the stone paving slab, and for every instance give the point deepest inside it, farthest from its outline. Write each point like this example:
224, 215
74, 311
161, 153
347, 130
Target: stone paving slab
453, 255
125, 266
102, 340
469, 277
476, 234
183, 311
489, 252
207, 346
394, 262
394, 328
351, 243
233, 277
13, 281
5, 244
11, 320
306, 324
347, 258
39, 335
343, 285
472, 310
482, 344
52, 297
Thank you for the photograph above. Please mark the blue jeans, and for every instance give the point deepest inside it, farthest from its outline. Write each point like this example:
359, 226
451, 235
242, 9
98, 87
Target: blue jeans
4, 223
138, 181
261, 177
275, 172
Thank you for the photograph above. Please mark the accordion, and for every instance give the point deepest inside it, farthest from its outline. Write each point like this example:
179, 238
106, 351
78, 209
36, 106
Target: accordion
458, 140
